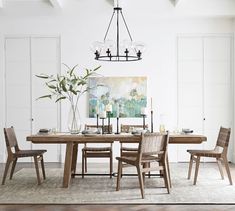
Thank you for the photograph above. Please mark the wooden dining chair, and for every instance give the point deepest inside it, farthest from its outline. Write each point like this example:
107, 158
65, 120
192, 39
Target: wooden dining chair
97, 152
126, 150
14, 152
219, 153
152, 148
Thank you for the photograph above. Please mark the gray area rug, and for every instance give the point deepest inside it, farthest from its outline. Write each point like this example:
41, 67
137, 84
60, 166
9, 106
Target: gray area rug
210, 189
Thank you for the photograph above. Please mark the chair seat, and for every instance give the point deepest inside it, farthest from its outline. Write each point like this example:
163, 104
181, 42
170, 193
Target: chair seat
129, 149
205, 153
29, 153
132, 159
97, 149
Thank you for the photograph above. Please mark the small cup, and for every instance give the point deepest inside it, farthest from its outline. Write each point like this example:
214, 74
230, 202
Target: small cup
54, 130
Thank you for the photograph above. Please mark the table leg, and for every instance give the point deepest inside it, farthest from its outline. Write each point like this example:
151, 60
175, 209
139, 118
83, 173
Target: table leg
67, 164
74, 159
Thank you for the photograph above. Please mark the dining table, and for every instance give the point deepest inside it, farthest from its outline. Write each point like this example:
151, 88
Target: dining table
72, 141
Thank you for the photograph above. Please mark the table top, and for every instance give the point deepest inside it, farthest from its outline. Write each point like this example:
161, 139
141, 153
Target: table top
63, 138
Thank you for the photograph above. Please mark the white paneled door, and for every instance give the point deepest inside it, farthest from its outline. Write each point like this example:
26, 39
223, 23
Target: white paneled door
204, 87
25, 58
18, 93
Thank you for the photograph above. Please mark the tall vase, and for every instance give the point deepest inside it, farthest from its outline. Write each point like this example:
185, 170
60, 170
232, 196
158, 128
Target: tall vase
74, 120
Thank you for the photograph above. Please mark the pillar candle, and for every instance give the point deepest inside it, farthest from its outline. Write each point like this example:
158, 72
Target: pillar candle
143, 111
109, 108
103, 114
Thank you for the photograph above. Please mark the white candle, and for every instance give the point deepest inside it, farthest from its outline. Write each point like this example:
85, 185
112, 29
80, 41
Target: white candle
117, 110
143, 111
103, 114
109, 108
151, 103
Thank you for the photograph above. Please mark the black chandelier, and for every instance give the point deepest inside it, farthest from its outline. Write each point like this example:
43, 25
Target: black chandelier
108, 50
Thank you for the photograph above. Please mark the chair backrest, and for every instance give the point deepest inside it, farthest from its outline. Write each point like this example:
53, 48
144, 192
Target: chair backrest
223, 138
153, 144
100, 126
11, 141
126, 128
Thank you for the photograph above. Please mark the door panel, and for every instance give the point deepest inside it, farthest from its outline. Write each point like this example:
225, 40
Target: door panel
190, 89
217, 87
18, 101
45, 59
205, 73
26, 57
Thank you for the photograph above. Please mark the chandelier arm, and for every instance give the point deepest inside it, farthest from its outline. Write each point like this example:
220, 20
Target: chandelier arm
106, 33
126, 26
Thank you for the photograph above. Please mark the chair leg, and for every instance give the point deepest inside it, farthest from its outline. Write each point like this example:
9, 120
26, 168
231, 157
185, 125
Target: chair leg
149, 173
140, 176
196, 170
166, 177
83, 159
119, 175
190, 166
111, 165
43, 168
37, 169
6, 170
13, 168
168, 169
227, 170
220, 167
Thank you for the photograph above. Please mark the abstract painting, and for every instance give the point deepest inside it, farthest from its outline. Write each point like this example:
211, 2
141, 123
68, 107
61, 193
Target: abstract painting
126, 95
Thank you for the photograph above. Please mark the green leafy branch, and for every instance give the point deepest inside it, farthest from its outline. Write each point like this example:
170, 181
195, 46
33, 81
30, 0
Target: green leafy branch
69, 86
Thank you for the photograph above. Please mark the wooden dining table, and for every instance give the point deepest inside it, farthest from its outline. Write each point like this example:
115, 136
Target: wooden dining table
72, 142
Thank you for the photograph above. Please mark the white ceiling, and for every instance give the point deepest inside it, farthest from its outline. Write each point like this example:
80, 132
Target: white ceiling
158, 8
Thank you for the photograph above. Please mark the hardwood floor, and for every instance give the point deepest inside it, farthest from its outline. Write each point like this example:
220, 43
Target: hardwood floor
173, 207
116, 207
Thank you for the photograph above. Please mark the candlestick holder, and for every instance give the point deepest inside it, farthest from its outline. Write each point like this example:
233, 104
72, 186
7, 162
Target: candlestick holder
151, 121
117, 126
108, 112
144, 116
97, 121
102, 118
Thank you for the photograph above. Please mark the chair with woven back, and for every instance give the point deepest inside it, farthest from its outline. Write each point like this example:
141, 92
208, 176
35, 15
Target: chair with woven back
219, 153
127, 150
97, 152
152, 148
124, 150
14, 152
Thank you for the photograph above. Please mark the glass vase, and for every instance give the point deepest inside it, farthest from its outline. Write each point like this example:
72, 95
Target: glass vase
74, 120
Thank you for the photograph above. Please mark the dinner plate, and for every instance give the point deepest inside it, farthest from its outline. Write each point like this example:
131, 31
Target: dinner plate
90, 134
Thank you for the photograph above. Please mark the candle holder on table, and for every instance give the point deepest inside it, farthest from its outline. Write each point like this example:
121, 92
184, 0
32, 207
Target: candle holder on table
102, 118
144, 116
117, 126
108, 112
97, 121
151, 121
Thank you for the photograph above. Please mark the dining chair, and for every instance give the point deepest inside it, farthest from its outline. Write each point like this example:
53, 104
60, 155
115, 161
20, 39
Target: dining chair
14, 152
98, 152
152, 148
125, 150
219, 153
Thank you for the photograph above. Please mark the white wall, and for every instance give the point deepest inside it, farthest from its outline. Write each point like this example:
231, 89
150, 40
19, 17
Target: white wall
82, 22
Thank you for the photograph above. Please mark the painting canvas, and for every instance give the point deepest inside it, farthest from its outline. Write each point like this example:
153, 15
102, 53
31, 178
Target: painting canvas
127, 95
